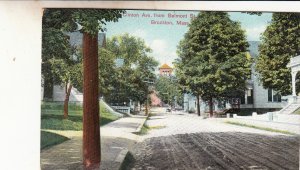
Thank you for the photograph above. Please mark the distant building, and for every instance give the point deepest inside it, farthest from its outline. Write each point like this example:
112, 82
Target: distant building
165, 70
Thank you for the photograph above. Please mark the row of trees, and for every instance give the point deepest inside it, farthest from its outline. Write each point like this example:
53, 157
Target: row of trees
212, 62
212, 58
117, 84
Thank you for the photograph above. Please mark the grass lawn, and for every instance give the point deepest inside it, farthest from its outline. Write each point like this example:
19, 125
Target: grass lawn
52, 119
261, 128
49, 139
297, 112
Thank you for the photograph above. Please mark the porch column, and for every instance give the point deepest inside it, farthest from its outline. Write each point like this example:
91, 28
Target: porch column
294, 83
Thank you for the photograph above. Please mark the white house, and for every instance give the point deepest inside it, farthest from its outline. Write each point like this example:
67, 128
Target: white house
58, 90
256, 97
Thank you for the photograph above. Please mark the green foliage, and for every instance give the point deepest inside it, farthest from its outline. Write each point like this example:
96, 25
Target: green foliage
297, 112
144, 130
261, 128
253, 13
280, 42
168, 90
49, 139
60, 106
60, 61
212, 57
52, 117
131, 49
107, 72
128, 80
55, 50
120, 84
85, 20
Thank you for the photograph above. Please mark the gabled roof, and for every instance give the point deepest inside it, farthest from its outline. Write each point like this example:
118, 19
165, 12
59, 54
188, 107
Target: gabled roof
165, 66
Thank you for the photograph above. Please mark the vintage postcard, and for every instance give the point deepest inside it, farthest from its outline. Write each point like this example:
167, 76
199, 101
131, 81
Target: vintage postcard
169, 89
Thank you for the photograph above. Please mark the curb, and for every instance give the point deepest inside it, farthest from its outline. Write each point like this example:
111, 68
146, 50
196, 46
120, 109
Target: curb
121, 155
141, 125
120, 159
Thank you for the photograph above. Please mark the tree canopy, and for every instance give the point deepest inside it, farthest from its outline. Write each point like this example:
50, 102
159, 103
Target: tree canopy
138, 67
280, 42
58, 62
168, 90
212, 60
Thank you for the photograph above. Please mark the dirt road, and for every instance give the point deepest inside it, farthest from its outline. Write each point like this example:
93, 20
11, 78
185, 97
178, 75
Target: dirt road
222, 147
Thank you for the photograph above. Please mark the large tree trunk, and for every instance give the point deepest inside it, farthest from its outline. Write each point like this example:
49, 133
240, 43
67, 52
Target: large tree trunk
147, 107
140, 106
68, 89
91, 128
198, 105
211, 107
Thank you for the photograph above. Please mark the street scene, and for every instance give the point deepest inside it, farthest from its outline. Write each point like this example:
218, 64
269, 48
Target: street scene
186, 141
142, 89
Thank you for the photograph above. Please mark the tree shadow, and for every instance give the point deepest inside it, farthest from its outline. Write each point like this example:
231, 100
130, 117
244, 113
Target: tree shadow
73, 118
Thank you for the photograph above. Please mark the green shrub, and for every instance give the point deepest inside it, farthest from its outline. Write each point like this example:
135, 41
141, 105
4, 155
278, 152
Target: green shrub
49, 139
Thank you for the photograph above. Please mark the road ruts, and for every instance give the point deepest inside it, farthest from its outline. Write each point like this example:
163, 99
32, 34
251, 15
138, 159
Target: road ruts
222, 150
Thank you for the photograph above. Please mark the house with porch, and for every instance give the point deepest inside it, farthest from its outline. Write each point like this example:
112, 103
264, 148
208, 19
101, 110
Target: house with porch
256, 96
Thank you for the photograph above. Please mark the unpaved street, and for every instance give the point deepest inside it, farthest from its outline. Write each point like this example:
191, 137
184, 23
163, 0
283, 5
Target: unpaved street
189, 142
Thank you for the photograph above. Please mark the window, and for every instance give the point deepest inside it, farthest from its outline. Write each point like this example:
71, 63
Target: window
276, 97
250, 96
243, 101
273, 96
270, 98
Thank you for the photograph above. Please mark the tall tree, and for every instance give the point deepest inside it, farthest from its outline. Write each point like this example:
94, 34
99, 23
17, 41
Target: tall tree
129, 48
60, 63
212, 57
68, 72
138, 66
90, 22
280, 42
168, 90
107, 72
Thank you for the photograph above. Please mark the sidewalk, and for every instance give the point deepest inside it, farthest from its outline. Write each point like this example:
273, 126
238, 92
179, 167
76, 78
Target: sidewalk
116, 139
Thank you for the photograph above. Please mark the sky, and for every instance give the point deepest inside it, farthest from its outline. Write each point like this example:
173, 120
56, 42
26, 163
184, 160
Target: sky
162, 30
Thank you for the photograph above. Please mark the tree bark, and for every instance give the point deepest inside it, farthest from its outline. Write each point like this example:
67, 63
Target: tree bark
66, 102
198, 105
147, 107
140, 106
210, 107
91, 125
